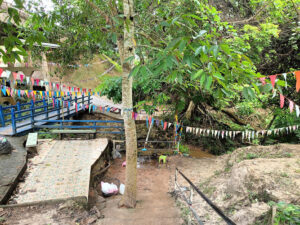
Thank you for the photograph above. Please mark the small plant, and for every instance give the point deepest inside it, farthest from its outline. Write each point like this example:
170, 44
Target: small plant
227, 197
251, 156
184, 149
217, 172
286, 213
287, 155
283, 174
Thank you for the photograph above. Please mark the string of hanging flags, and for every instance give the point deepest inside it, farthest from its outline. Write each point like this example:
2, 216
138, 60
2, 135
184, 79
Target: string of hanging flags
178, 127
274, 77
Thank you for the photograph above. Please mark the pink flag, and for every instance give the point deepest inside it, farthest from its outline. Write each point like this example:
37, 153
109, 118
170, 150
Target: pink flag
32, 81
132, 115
15, 75
57, 86
1, 71
150, 120
21, 77
262, 79
291, 106
165, 125
281, 101
273, 79
37, 82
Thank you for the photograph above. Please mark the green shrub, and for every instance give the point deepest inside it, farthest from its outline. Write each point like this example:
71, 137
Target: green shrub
286, 213
184, 149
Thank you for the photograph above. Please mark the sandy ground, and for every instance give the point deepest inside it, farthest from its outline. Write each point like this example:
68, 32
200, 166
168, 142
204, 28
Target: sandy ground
241, 184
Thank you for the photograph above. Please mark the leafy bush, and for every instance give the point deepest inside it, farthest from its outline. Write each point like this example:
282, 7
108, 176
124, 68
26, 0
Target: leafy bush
184, 149
286, 213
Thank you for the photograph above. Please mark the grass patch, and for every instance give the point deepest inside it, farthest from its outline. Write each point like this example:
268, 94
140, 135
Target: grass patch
184, 211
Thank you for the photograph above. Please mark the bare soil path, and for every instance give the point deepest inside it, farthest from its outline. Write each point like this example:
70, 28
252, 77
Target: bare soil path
155, 205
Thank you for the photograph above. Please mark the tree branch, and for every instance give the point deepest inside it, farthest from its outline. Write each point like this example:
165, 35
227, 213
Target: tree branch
251, 18
103, 14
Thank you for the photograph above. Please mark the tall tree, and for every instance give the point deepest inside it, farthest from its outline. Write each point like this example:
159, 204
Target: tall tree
129, 199
126, 48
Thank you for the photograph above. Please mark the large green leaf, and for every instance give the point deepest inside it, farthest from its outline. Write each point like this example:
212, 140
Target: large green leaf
208, 82
197, 74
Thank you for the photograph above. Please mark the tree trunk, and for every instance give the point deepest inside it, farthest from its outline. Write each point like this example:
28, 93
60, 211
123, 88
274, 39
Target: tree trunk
129, 198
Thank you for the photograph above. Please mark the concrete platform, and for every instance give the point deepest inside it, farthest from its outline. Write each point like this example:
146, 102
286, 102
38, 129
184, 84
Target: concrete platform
12, 166
61, 171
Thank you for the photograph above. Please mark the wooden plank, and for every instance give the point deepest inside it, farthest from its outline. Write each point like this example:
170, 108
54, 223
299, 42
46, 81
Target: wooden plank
31, 140
73, 131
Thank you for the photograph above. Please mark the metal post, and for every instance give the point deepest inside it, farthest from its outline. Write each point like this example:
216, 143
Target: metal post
68, 108
13, 121
19, 109
32, 113
46, 108
2, 117
191, 194
82, 101
58, 109
62, 110
75, 104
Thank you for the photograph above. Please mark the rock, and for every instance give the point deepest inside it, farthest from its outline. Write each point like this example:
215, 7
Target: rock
90, 220
95, 211
96, 200
5, 146
116, 154
248, 215
67, 205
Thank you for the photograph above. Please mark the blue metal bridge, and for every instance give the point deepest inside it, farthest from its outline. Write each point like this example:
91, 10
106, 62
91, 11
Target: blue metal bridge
20, 118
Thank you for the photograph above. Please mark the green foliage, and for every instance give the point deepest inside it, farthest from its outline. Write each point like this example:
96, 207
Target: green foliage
286, 213
251, 156
184, 149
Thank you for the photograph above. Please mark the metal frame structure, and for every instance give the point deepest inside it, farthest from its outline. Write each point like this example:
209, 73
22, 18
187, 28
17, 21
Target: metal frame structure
189, 199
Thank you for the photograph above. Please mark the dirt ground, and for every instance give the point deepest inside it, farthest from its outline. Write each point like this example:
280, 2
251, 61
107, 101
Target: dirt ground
241, 184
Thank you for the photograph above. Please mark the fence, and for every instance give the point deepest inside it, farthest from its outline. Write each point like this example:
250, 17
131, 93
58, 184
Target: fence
22, 115
189, 199
61, 124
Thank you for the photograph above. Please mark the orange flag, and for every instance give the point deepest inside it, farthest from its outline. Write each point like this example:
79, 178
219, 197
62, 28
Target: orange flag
297, 74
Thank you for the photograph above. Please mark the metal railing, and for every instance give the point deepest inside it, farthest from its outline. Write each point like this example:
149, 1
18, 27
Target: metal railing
62, 124
189, 199
22, 115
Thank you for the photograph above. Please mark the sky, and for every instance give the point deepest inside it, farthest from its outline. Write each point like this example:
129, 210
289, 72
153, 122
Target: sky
46, 3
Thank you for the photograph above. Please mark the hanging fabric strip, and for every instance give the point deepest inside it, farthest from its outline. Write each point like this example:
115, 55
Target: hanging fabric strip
263, 81
297, 74
273, 80
281, 101
291, 106
165, 125
297, 110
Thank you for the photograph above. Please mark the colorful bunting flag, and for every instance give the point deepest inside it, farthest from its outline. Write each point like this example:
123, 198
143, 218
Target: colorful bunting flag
281, 101
297, 74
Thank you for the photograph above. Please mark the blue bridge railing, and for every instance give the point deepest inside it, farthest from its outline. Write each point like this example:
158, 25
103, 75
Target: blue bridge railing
89, 124
22, 115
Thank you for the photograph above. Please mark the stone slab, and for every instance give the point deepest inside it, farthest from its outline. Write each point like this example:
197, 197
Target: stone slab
32, 140
61, 171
